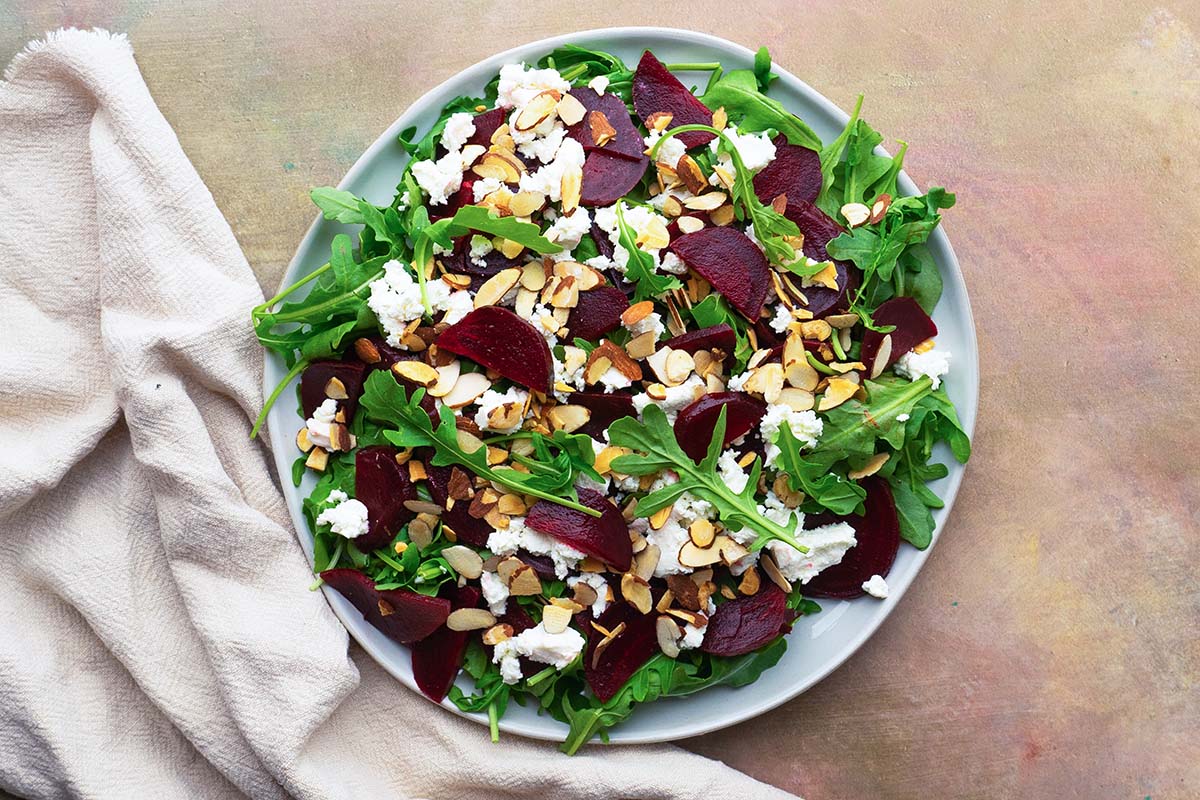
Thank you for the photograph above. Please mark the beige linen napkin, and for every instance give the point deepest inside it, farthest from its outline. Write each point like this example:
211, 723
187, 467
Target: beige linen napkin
157, 635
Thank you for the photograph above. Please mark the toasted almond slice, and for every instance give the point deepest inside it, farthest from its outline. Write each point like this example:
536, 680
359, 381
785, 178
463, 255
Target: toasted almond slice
525, 203
695, 557
722, 216
855, 214
689, 172
767, 562
689, 224
602, 130
636, 313
524, 582
879, 208
659, 518
595, 368
837, 392
679, 365
317, 459
420, 530
636, 592
467, 389
464, 561
672, 207
817, 329
604, 458
555, 619
924, 347
731, 550
336, 390
569, 418
533, 276
565, 293
447, 376
302, 441
882, 356
468, 441
659, 121
797, 399
585, 595
646, 561
495, 287
872, 466
508, 567
750, 582
570, 110
537, 110
846, 366
497, 634
340, 438
505, 416
496, 456
511, 504
766, 380
841, 321
827, 277
720, 119
602, 645
366, 351
642, 345
702, 533
688, 616
658, 363
668, 633
726, 177
470, 619
708, 201
570, 188
501, 165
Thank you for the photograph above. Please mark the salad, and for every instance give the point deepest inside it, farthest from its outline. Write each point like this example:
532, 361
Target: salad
624, 380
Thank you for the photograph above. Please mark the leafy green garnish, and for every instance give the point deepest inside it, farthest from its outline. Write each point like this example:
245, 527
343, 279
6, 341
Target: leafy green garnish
762, 69
739, 93
655, 449
852, 428
648, 283
580, 65
715, 310
820, 484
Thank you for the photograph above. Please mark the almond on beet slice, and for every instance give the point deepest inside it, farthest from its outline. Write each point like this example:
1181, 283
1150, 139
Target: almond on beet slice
319, 374
622, 655
437, 658
500, 340
913, 326
794, 173
695, 424
470, 530
655, 89
486, 125
625, 141
402, 616
718, 337
878, 538
597, 312
605, 537
382, 485
606, 408
747, 623
733, 264
819, 229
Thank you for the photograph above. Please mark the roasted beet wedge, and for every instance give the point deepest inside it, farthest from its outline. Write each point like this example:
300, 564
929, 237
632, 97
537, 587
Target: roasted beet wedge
607, 177
437, 658
402, 616
463, 197
627, 141
878, 538
795, 173
731, 262
718, 337
498, 339
598, 312
695, 423
747, 623
468, 529
382, 486
605, 408
819, 229
317, 376
655, 89
605, 537
913, 326
486, 125
624, 655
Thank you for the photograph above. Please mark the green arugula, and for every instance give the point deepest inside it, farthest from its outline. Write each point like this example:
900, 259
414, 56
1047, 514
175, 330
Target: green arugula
579, 65
851, 429
715, 310
639, 269
423, 149
655, 449
762, 69
821, 485
739, 93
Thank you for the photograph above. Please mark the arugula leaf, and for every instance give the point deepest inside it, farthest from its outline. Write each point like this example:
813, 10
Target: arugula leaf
580, 65
479, 218
852, 428
715, 310
648, 283
827, 488
762, 69
655, 449
337, 204
738, 91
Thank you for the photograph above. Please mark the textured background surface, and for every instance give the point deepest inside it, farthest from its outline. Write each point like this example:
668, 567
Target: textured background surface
1050, 647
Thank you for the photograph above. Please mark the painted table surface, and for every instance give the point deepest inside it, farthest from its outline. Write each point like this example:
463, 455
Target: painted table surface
1050, 648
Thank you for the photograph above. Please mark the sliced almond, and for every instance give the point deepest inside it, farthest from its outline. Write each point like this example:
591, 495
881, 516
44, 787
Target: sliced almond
731, 550
708, 201
318, 459
497, 634
524, 582
336, 390
797, 399
679, 365
646, 561
555, 619
636, 313
695, 557
564, 292
423, 507
602, 130
417, 372
468, 441
470, 619
722, 216
447, 376
302, 441
467, 389
766, 380
570, 110
585, 594
596, 367
602, 645
702, 533
660, 517
508, 567
420, 531
872, 466
636, 592
659, 121
366, 351
340, 438
689, 617
842, 320
617, 358
672, 207
464, 561
727, 177
668, 633
767, 562
855, 214
506, 416
879, 208
720, 119
642, 345
882, 356
569, 418
496, 456
750, 582
689, 172
533, 276
689, 224
838, 391
658, 363
604, 458
500, 165
525, 203
537, 110
570, 188
924, 347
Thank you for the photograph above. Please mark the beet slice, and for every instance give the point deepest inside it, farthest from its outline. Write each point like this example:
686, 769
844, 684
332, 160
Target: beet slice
318, 373
746, 623
468, 529
795, 173
603, 244
410, 616
731, 262
819, 229
913, 326
718, 337
624, 655
627, 142
878, 535
606, 409
695, 423
437, 658
465, 196
486, 125
382, 486
605, 537
655, 89
607, 177
598, 312
498, 339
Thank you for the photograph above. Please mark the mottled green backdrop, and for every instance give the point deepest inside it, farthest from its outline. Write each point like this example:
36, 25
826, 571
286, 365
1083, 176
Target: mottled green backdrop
1050, 647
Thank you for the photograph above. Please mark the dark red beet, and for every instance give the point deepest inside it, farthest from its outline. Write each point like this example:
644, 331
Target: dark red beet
486, 125
465, 196
437, 658
795, 173
656, 89
605, 537
598, 312
605, 408
412, 616
747, 623
718, 337
517, 617
382, 486
819, 229
878, 535
603, 243
468, 529
542, 565
318, 373
694, 425
731, 262
624, 655
497, 338
388, 355
628, 142
913, 326
607, 177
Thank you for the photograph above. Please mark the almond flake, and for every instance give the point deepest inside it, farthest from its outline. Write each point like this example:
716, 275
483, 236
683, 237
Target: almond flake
796, 399
336, 390
679, 365
366, 351
464, 561
731, 550
525, 203
721, 216
646, 561
689, 172
317, 459
702, 533
636, 592
873, 465
571, 186
636, 313
842, 320
570, 110
467, 389
660, 517
720, 119
706, 202
767, 562
692, 556
495, 287
569, 418
855, 214
302, 441
602, 130
507, 568
500, 165
766, 380
642, 345
470, 619
497, 634
689, 224
838, 391
817, 329
668, 633
750, 582
537, 110
672, 207
533, 276
524, 582
447, 376
882, 356
585, 595
555, 619
879, 208
659, 121
924, 347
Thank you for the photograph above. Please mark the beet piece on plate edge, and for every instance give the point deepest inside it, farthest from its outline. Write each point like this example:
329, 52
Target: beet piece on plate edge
606, 409
913, 326
597, 312
497, 338
605, 537
695, 423
317, 376
747, 623
624, 655
718, 337
731, 262
795, 173
403, 616
878, 539
382, 486
655, 89
437, 658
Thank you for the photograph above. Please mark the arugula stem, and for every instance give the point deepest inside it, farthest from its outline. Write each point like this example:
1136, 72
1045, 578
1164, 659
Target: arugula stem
694, 66
818, 366
262, 415
494, 721
391, 562
517, 486
316, 273
836, 342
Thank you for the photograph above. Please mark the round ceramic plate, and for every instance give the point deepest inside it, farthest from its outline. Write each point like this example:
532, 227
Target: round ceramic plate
817, 644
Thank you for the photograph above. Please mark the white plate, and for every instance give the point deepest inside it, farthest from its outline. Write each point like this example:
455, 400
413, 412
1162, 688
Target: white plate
818, 644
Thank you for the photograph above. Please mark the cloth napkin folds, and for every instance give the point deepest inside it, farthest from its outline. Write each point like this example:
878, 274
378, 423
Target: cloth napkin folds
157, 634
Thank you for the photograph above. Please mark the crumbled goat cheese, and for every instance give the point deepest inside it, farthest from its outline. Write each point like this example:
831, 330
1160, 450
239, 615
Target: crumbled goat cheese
573, 375
597, 582
505, 654
752, 237
876, 586
458, 305
547, 179
650, 322
678, 397
541, 142
932, 364
482, 187
518, 536
319, 423
736, 382
459, 128
731, 472
568, 230
494, 592
756, 149
347, 518
396, 300
673, 264
902, 418
782, 318
404, 202
492, 400
669, 539
440, 179
806, 426
598, 84
826, 547
537, 644
520, 84
639, 219
614, 379
480, 247
693, 636
671, 151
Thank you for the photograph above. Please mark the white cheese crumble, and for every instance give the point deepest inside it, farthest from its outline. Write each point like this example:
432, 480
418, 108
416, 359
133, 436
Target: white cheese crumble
537, 644
782, 318
932, 364
650, 322
482, 187
320, 422
876, 586
693, 636
826, 547
492, 400
494, 592
806, 426
598, 584
671, 151
518, 536
570, 229
639, 219
669, 539
396, 300
614, 379
902, 418
480, 247
756, 149
547, 179
458, 305
459, 128
569, 370
678, 397
731, 472
519, 84
347, 518
673, 264
440, 179
598, 84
